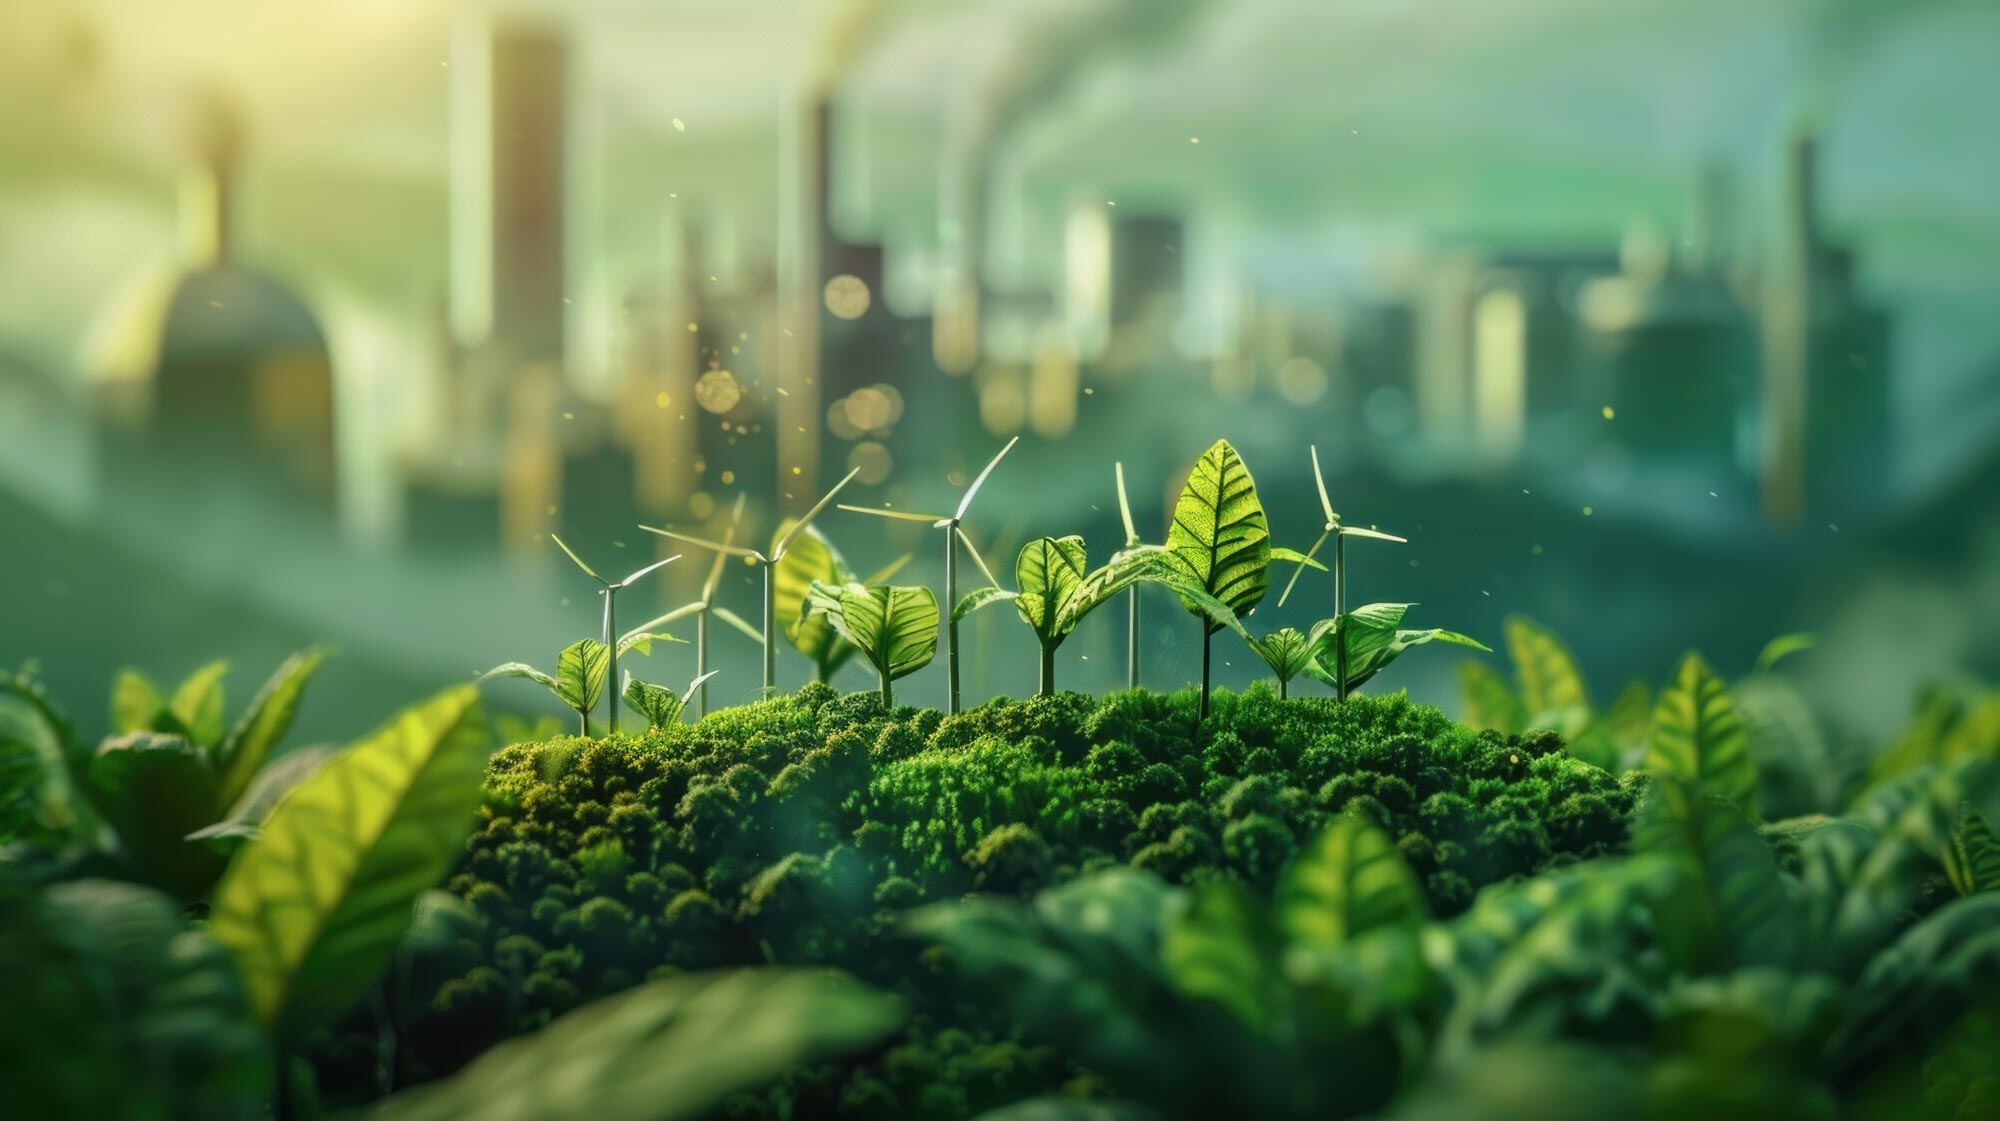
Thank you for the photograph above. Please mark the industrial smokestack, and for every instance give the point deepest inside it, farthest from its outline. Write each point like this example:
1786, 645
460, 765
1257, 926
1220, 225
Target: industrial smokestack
1791, 307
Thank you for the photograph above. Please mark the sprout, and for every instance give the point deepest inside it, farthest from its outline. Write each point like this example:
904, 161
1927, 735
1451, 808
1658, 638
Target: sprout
706, 606
610, 591
1340, 533
896, 629
766, 562
953, 536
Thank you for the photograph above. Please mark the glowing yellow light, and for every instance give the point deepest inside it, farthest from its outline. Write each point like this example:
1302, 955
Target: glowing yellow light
728, 478
717, 391
873, 460
662, 399
1609, 412
679, 126
847, 296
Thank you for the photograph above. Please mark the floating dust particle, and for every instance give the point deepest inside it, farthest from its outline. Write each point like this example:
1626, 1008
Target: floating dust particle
1537, 550
846, 296
569, 416
679, 125
797, 471
728, 478
551, 511
1194, 139
662, 399
717, 391
735, 350
692, 328
1089, 391
1589, 510
1609, 412
783, 392
744, 335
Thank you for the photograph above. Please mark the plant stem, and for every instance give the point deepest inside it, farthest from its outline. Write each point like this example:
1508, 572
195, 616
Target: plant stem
585, 716
950, 618
770, 625
1132, 638
701, 659
888, 695
611, 658
1207, 642
1339, 610
1048, 688
1284, 685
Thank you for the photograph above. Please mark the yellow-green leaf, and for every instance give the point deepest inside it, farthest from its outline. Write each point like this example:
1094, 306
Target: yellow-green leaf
312, 909
135, 702
1046, 573
1225, 947
1552, 689
248, 746
1698, 737
1487, 702
1219, 537
1972, 859
580, 672
1346, 882
895, 628
197, 704
809, 557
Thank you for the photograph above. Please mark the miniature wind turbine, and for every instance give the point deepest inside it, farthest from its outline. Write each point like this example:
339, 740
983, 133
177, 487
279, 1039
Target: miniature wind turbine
1340, 533
612, 639
706, 606
767, 563
950, 523
1132, 596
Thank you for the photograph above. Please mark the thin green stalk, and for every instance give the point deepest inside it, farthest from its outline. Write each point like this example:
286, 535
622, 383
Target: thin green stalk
1048, 688
1339, 608
950, 620
611, 657
1207, 643
1132, 639
888, 694
701, 660
770, 627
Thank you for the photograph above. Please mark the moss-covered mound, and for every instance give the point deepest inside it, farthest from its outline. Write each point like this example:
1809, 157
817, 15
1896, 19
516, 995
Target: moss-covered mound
798, 829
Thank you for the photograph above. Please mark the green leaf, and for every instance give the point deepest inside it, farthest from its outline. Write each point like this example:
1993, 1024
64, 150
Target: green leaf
1293, 556
1487, 702
660, 705
810, 557
275, 780
523, 670
135, 702
1373, 641
643, 641
42, 794
1345, 882
1046, 572
978, 598
312, 909
1738, 909
1225, 947
1551, 686
1629, 720
1782, 647
670, 1049
580, 674
156, 789
1698, 737
244, 751
197, 704
895, 628
1930, 975
1972, 859
1286, 651
1219, 537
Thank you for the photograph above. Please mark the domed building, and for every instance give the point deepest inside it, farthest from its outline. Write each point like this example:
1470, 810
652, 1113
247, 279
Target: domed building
213, 363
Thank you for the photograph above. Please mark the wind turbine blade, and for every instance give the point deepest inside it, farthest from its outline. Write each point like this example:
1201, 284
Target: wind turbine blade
1125, 507
571, 554
735, 518
678, 613
714, 576
735, 620
799, 527
976, 558
1349, 531
900, 515
629, 580
965, 503
882, 575
1319, 480
731, 550
1300, 570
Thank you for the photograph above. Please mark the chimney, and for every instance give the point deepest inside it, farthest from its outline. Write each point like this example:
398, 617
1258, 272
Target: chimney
207, 216
1790, 310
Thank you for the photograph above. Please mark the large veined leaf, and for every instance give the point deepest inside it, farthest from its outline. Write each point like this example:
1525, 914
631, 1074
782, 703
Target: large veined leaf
1486, 701
580, 672
312, 909
810, 557
40, 794
270, 785
1972, 859
197, 703
977, 598
1225, 947
135, 702
660, 705
1698, 737
895, 628
155, 789
1629, 721
1046, 573
1219, 537
1737, 908
670, 1049
1345, 882
248, 746
1286, 651
1374, 639
1552, 688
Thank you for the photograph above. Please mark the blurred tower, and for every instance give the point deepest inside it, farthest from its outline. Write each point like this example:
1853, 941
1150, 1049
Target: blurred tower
1124, 284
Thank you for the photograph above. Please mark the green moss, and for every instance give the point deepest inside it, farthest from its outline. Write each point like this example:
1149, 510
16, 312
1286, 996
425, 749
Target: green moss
799, 828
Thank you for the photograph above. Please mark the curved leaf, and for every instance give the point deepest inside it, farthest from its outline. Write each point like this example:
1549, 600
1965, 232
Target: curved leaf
522, 670
135, 702
1373, 641
1738, 909
657, 703
1782, 647
1552, 688
267, 789
809, 558
895, 628
1487, 702
1225, 947
1345, 882
1698, 736
1286, 651
667, 1050
1219, 537
643, 641
244, 751
1924, 980
1972, 859
197, 704
156, 789
1046, 573
978, 598
312, 909
580, 672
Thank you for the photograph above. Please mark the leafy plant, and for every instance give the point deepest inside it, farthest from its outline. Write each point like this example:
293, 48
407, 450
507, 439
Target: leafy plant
1220, 543
1341, 671
813, 558
703, 607
582, 668
1371, 636
767, 562
660, 705
953, 536
1287, 652
609, 643
153, 794
895, 628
